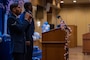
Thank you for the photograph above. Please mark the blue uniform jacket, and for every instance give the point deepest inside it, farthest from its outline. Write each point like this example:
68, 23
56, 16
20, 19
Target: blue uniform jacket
30, 30
16, 30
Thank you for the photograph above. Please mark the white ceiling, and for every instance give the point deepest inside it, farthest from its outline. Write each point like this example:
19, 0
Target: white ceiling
78, 1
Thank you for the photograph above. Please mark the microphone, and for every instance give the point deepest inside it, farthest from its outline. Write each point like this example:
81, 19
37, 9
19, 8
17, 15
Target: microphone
30, 14
28, 11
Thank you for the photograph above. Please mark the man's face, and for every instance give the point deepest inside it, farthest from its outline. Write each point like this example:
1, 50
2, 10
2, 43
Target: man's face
18, 10
30, 8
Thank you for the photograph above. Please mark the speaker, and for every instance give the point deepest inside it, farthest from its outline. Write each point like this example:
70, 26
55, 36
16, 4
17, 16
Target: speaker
51, 26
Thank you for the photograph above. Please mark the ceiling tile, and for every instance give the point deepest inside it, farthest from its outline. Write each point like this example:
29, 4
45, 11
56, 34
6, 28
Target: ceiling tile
83, 1
78, 1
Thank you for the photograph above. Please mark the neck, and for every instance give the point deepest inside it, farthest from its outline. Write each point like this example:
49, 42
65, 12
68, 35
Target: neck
15, 14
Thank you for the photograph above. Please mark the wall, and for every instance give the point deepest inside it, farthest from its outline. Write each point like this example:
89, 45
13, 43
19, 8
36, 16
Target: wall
79, 16
38, 28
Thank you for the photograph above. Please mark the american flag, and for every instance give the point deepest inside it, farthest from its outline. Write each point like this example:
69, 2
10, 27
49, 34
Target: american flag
65, 27
62, 24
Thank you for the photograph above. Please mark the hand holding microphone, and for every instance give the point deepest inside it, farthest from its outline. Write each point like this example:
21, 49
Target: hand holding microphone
28, 16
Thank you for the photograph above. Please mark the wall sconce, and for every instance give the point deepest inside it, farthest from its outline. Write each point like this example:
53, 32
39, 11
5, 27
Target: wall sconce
61, 1
38, 23
74, 1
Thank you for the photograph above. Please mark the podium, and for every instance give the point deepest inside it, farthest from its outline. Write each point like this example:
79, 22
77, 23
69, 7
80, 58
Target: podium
86, 43
53, 43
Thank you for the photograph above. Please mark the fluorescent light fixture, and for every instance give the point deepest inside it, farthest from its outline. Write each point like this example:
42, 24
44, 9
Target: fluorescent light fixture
61, 1
74, 1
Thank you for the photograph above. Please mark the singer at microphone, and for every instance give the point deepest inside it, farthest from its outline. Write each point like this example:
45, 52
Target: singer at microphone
30, 30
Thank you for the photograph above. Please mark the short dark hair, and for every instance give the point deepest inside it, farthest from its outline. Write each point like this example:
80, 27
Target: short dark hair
13, 5
27, 4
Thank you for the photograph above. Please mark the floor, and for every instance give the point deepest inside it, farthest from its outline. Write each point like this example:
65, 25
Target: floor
76, 54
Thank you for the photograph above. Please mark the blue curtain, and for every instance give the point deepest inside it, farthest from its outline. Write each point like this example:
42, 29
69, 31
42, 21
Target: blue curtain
3, 3
0, 20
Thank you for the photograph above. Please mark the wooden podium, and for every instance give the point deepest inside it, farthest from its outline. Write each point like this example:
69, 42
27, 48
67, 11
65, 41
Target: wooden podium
53, 43
86, 43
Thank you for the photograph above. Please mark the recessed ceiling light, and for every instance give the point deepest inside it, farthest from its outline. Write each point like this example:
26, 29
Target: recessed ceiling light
74, 1
61, 1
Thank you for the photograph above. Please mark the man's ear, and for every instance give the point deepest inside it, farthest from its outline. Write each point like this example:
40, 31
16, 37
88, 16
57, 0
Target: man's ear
14, 9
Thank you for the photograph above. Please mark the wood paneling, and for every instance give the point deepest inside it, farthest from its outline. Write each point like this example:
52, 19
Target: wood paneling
38, 2
52, 51
73, 37
54, 35
86, 43
53, 43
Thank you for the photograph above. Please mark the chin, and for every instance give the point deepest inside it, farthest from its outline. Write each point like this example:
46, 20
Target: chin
18, 13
